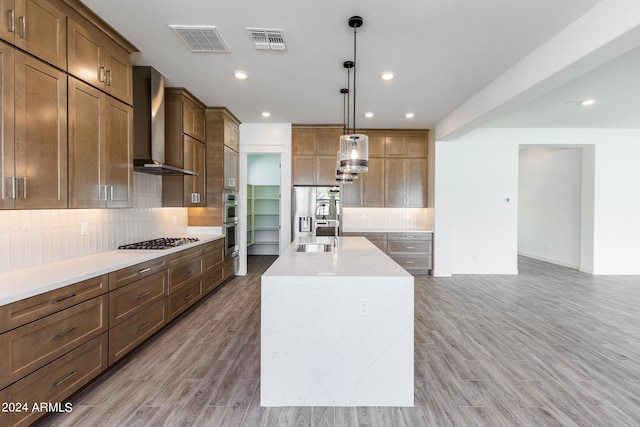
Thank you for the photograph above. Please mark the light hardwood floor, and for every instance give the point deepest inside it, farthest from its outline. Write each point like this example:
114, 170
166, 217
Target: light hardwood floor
549, 347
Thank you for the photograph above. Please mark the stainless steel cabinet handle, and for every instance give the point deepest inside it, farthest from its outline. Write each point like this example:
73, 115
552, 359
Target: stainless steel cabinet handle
62, 334
24, 187
187, 273
188, 297
13, 182
12, 21
409, 262
110, 192
144, 270
102, 74
109, 76
59, 300
65, 378
409, 247
23, 26
142, 327
142, 295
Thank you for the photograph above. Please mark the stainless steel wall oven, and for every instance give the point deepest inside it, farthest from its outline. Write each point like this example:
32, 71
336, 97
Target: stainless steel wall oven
231, 215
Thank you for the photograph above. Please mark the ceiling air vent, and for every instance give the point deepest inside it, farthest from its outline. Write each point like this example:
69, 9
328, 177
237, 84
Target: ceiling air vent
267, 39
200, 38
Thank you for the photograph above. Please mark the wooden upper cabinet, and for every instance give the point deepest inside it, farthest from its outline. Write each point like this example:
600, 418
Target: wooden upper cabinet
304, 170
231, 168
231, 135
373, 194
314, 152
7, 20
7, 144
100, 61
395, 145
376, 144
194, 185
193, 120
328, 142
40, 134
417, 145
100, 149
405, 183
41, 30
325, 170
304, 141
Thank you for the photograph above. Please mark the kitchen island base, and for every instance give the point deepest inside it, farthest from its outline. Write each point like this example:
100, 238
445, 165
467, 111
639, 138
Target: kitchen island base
340, 336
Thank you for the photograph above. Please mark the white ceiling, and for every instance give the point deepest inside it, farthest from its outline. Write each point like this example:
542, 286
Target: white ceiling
442, 52
613, 85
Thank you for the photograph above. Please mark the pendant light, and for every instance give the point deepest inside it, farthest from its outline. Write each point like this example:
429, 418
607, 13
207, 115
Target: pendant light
354, 147
344, 177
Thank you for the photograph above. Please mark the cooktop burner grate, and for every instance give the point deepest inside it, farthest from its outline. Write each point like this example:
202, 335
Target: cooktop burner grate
161, 243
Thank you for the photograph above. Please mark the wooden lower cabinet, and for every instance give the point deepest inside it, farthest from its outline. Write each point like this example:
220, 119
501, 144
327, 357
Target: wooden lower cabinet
29, 347
130, 333
184, 298
130, 299
55, 382
230, 267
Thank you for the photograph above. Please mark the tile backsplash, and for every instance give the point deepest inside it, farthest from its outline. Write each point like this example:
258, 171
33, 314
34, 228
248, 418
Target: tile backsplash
387, 218
34, 237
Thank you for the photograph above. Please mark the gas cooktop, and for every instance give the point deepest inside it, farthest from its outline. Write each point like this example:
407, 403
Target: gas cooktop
161, 243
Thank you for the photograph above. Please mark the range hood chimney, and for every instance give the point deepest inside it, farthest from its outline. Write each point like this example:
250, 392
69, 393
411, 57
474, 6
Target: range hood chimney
148, 124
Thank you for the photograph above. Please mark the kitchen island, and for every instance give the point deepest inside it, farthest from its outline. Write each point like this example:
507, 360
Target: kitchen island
336, 327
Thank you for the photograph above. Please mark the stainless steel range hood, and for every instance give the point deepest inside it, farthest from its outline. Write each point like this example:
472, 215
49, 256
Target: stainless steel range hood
148, 124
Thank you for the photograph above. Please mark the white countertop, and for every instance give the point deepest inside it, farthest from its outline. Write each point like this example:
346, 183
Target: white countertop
353, 256
386, 230
20, 284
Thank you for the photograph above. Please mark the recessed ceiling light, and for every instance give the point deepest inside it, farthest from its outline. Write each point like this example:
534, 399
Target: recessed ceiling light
266, 114
387, 75
588, 102
240, 75
368, 115
410, 115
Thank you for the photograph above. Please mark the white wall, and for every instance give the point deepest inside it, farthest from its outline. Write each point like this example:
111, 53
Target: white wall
484, 200
550, 204
478, 225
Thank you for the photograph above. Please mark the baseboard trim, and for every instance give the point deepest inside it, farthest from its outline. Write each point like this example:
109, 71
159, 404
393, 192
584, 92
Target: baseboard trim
549, 260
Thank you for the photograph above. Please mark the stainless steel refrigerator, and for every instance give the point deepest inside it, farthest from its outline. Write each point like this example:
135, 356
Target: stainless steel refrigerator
315, 211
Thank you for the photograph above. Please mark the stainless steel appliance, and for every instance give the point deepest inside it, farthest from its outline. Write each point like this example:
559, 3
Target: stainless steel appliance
160, 243
316, 211
230, 218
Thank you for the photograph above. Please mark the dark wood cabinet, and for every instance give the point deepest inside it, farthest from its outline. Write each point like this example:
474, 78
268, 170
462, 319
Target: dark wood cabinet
368, 190
405, 183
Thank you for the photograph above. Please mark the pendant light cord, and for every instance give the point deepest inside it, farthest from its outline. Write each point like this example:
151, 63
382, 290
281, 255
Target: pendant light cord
355, 62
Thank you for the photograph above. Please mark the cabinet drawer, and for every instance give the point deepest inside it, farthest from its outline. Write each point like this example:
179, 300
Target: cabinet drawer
125, 301
136, 272
213, 258
213, 279
214, 245
369, 236
410, 236
127, 335
56, 381
230, 267
30, 309
413, 262
409, 246
184, 255
27, 348
179, 301
182, 273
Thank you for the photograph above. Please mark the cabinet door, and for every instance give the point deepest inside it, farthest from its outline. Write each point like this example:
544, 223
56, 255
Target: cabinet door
7, 20
304, 142
417, 146
200, 168
373, 183
200, 124
117, 154
119, 73
230, 169
328, 142
86, 137
194, 158
304, 170
351, 194
231, 135
188, 119
86, 54
395, 145
41, 29
325, 170
41, 134
394, 183
7, 155
376, 144
416, 183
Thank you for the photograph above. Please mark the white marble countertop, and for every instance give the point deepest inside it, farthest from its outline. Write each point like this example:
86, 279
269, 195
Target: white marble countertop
20, 284
386, 230
353, 256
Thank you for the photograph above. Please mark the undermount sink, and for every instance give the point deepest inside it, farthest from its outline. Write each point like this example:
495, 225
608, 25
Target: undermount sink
314, 247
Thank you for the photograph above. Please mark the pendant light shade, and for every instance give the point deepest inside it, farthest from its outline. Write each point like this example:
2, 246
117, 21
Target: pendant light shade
343, 177
354, 147
354, 153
